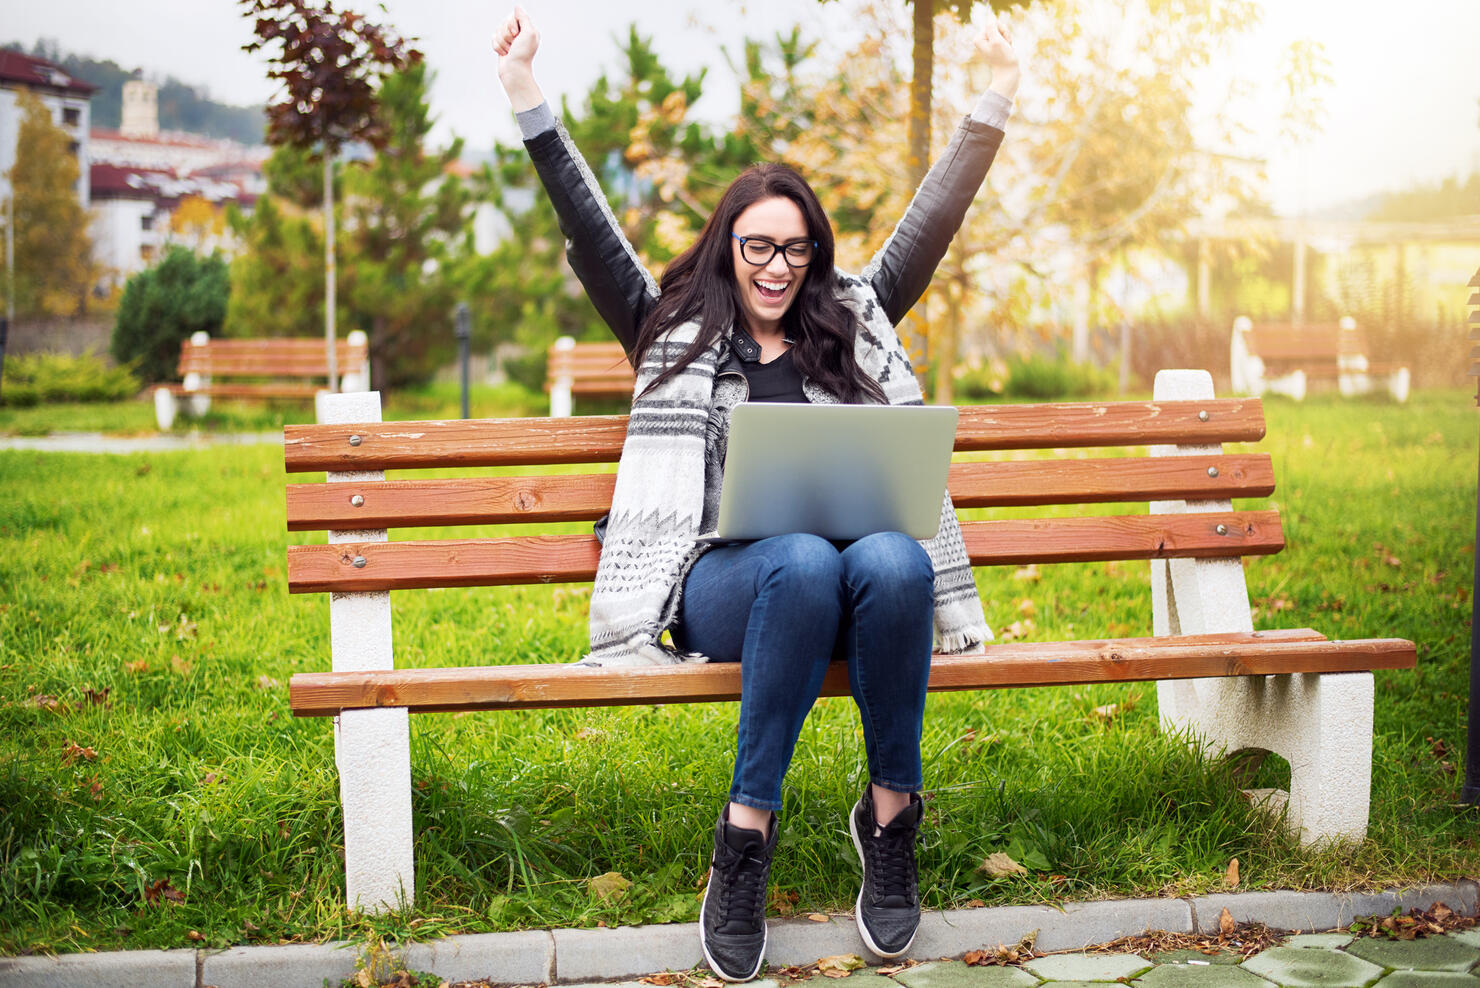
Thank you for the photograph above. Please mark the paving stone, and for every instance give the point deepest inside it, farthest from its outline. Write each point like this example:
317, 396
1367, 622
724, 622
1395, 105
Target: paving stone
1311, 967
1212, 976
1471, 937
1329, 940
1075, 984
1428, 979
1196, 957
1088, 967
1428, 954
627, 951
121, 968
954, 974
288, 964
526, 957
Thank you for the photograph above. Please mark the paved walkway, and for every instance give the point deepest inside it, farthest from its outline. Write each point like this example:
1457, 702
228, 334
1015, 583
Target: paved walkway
98, 442
946, 943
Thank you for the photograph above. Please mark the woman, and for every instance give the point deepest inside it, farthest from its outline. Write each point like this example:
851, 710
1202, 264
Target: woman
754, 311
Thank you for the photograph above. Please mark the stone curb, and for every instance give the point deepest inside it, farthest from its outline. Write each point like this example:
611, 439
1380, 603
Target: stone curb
553, 956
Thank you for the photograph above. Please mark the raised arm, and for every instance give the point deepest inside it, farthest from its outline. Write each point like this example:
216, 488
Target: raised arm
619, 286
903, 267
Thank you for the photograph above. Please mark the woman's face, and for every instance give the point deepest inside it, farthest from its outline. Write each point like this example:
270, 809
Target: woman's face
767, 290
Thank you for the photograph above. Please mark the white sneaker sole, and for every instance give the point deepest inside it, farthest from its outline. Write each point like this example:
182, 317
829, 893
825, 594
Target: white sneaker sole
858, 903
765, 940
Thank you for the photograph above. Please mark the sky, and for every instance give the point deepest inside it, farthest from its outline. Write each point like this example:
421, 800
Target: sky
1404, 106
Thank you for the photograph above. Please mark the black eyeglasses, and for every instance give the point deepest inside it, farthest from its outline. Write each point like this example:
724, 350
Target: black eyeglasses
797, 253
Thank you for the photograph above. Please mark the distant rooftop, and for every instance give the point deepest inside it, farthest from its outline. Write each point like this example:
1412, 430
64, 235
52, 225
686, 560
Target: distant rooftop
38, 73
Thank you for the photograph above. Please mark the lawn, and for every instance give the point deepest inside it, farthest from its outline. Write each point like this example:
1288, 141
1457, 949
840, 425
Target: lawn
156, 792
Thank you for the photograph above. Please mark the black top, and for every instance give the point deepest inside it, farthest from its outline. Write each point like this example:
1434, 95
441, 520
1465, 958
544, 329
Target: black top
778, 380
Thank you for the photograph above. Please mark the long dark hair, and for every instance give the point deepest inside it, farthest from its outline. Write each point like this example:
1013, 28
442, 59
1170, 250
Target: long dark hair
700, 284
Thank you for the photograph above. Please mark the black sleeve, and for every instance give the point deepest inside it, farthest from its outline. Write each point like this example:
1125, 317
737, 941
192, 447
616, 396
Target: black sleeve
903, 267
619, 286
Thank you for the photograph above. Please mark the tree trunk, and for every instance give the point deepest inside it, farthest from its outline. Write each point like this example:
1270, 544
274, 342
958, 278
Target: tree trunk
329, 278
924, 69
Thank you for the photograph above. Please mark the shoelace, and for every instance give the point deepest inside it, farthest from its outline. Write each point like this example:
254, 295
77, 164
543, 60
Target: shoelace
892, 863
742, 884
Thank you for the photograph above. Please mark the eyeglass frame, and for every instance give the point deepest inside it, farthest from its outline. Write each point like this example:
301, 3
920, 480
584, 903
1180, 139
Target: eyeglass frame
774, 248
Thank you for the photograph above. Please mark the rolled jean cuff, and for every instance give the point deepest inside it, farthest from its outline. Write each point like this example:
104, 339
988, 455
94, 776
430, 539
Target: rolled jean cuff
773, 805
892, 787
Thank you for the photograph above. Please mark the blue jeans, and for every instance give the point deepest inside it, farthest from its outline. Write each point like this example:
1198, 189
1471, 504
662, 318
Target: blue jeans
786, 606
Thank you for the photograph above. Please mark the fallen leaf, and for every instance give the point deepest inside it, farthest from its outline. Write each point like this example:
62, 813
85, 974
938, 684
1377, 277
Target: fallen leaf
890, 972
1000, 865
98, 698
196, 935
1438, 747
1393, 561
664, 979
1029, 573
73, 752
783, 903
610, 885
1230, 877
1108, 712
181, 666
95, 788
211, 778
1226, 925
845, 963
265, 682
974, 904
837, 974
138, 665
817, 917
163, 890
48, 702
1027, 608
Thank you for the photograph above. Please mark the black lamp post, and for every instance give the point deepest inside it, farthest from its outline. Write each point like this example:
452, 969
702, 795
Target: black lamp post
463, 330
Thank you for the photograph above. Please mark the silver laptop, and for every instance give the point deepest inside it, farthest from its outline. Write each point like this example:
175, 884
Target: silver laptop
838, 471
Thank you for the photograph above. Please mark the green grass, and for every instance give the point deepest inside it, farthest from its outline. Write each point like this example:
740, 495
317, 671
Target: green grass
136, 416
143, 616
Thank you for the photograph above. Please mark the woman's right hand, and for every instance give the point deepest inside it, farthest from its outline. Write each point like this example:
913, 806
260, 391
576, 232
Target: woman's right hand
516, 40
996, 48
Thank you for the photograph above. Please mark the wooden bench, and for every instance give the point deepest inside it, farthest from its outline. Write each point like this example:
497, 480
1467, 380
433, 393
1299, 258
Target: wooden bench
1290, 691
262, 369
1280, 358
590, 370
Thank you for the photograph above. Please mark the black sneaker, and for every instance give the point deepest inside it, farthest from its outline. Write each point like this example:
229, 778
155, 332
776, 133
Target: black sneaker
888, 909
732, 921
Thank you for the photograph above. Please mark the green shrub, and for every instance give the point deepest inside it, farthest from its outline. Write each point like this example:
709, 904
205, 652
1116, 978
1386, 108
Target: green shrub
48, 377
1040, 377
163, 305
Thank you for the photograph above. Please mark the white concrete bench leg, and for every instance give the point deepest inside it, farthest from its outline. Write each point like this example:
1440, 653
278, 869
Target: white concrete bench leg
197, 405
561, 401
165, 408
1320, 724
357, 378
372, 748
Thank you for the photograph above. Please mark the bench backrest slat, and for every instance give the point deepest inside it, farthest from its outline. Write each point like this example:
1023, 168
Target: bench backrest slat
511, 560
598, 439
515, 500
283, 357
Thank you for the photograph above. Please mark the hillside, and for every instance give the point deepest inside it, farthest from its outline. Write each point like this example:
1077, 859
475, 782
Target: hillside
181, 105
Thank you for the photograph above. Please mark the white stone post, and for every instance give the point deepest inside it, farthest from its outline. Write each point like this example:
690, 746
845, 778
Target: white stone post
1320, 724
561, 402
1245, 369
164, 408
198, 404
357, 377
372, 748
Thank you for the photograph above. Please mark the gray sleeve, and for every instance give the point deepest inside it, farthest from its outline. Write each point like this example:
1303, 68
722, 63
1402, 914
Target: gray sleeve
992, 109
534, 122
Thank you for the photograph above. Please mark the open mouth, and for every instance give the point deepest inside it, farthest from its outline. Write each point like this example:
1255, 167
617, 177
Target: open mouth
771, 291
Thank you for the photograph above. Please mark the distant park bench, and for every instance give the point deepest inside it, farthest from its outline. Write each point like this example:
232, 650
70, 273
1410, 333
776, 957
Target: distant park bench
587, 370
262, 369
1293, 692
1280, 358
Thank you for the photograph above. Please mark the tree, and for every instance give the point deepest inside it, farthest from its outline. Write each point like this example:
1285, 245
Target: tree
404, 218
329, 64
163, 305
54, 270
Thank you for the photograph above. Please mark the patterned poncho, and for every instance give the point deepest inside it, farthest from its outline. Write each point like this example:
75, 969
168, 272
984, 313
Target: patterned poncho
661, 501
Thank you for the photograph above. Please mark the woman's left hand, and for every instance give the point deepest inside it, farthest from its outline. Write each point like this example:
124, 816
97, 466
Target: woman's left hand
996, 47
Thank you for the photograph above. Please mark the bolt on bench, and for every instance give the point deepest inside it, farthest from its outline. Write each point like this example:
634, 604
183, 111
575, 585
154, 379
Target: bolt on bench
1293, 692
292, 368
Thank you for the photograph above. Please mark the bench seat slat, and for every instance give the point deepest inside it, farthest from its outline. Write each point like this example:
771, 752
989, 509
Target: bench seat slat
510, 500
1014, 664
572, 558
598, 438
245, 390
